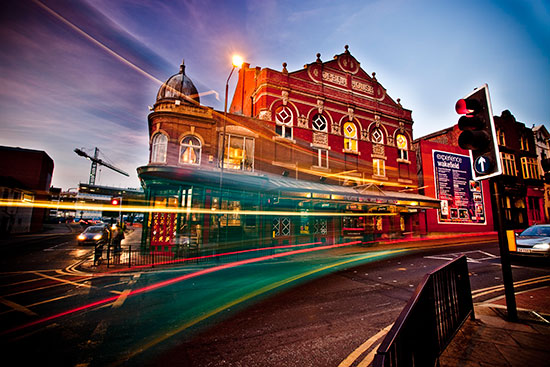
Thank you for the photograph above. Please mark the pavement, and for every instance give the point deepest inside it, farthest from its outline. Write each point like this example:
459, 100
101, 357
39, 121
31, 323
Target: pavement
491, 340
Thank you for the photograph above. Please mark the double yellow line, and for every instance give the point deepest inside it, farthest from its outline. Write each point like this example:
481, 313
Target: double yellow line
520, 283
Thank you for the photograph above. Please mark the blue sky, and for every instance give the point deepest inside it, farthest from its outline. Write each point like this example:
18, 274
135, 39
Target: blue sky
82, 74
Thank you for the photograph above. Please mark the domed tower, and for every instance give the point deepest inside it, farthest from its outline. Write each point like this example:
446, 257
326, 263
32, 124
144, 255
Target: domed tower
178, 124
179, 87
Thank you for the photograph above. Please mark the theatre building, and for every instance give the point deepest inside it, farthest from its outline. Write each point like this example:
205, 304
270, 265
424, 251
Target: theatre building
321, 154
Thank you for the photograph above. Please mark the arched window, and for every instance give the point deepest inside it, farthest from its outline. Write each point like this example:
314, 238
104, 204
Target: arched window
377, 136
284, 119
402, 147
319, 123
350, 136
159, 147
190, 150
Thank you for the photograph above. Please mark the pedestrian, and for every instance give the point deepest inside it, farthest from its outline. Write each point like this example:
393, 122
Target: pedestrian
118, 236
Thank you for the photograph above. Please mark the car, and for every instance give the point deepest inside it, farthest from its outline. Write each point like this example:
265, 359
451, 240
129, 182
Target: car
94, 235
534, 241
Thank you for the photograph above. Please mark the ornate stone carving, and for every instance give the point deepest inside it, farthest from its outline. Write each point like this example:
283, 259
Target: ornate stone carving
336, 128
378, 149
320, 106
284, 94
365, 135
350, 113
302, 121
265, 115
320, 138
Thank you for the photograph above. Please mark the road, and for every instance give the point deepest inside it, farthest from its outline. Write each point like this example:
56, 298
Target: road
305, 309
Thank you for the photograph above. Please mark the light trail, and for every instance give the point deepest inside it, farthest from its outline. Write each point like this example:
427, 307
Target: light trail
182, 210
176, 280
270, 287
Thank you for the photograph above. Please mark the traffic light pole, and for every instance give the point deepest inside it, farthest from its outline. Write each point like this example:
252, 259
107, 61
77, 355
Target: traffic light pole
504, 255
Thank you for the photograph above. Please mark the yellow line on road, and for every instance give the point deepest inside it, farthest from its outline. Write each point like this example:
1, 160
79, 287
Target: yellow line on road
520, 283
63, 280
244, 298
363, 347
17, 307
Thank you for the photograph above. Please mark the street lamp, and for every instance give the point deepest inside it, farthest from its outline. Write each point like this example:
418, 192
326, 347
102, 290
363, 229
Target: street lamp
237, 63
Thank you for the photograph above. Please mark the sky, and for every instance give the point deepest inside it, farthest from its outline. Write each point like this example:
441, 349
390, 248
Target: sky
81, 74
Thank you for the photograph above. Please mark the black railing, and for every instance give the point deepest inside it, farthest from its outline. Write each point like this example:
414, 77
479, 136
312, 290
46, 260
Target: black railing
436, 311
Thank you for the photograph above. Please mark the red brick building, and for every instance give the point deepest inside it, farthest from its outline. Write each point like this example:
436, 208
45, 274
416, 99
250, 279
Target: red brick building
26, 175
324, 139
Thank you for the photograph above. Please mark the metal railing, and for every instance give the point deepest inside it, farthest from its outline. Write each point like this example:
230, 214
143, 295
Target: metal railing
436, 311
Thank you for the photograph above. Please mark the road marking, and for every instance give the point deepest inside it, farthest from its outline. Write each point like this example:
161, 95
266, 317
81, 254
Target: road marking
120, 300
363, 347
17, 307
470, 259
53, 248
520, 283
63, 280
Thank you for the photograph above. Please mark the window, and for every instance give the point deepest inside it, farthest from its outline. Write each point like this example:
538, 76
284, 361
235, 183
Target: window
158, 148
377, 136
508, 164
281, 227
379, 167
319, 123
321, 158
500, 137
524, 143
529, 168
283, 119
238, 152
190, 150
350, 136
402, 147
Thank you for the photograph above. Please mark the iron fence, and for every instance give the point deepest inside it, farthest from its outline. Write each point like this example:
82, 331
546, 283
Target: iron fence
436, 311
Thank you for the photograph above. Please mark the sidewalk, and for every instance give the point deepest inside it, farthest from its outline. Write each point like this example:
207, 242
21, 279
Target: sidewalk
490, 340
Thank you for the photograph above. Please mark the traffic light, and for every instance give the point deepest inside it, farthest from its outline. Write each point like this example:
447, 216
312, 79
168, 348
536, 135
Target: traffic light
116, 200
478, 133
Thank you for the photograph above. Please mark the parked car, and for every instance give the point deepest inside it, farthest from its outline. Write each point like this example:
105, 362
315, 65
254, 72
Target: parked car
94, 235
534, 241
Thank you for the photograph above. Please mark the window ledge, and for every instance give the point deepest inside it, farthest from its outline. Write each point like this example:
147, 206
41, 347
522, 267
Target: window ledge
380, 177
325, 169
351, 151
401, 160
281, 138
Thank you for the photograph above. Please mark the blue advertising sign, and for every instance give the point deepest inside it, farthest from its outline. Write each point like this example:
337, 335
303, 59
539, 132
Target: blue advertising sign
461, 196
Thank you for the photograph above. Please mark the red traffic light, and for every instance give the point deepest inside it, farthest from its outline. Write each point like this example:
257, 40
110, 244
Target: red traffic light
467, 107
115, 201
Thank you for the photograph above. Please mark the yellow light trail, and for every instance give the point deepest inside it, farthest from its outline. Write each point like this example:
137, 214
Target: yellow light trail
182, 210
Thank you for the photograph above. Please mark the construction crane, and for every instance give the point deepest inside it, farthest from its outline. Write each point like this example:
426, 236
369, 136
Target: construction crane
95, 161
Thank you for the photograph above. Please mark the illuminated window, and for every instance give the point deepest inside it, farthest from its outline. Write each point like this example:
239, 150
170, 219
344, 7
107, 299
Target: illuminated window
377, 136
508, 164
238, 153
350, 136
500, 137
524, 143
402, 147
190, 150
529, 168
379, 167
283, 119
159, 147
319, 123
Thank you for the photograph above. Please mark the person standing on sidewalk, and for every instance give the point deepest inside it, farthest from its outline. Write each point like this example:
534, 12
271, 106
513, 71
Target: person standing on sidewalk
118, 236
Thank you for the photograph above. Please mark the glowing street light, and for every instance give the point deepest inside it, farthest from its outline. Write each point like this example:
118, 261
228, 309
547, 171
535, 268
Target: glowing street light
237, 63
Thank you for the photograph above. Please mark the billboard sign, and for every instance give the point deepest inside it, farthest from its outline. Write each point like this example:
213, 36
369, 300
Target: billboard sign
461, 196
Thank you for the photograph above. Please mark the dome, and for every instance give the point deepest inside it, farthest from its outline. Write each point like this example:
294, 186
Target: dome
177, 86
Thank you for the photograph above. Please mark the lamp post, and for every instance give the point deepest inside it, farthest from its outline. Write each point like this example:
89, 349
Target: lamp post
237, 63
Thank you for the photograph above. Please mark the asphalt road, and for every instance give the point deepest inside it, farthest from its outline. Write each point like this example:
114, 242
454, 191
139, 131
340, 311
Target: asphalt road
307, 309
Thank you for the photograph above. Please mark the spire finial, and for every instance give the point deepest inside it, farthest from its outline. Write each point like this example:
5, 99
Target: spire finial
318, 57
182, 66
346, 47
